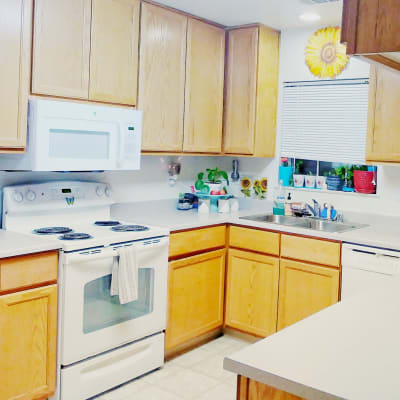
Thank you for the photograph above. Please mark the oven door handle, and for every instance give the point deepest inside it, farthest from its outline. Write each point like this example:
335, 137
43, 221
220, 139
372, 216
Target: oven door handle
93, 255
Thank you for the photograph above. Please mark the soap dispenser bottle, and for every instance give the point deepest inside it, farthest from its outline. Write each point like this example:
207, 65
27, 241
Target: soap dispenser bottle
288, 205
279, 204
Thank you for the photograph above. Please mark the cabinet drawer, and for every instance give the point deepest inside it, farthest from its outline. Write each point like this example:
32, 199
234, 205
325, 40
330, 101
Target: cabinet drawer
28, 270
196, 240
312, 250
254, 239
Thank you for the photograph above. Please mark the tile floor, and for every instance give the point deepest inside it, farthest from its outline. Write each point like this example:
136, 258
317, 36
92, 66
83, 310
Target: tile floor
196, 375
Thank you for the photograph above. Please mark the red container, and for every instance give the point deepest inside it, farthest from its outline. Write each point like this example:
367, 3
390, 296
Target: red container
363, 181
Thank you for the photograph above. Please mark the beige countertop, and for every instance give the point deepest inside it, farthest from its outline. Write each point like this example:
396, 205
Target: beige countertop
16, 244
348, 351
382, 231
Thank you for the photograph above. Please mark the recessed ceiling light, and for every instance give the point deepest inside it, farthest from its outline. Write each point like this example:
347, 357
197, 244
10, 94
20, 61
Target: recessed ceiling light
310, 17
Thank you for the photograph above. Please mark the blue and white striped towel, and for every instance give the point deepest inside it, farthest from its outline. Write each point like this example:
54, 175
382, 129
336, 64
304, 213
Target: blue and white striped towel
124, 278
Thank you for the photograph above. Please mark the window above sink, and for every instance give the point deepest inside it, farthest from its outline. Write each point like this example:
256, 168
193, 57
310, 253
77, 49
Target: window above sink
328, 176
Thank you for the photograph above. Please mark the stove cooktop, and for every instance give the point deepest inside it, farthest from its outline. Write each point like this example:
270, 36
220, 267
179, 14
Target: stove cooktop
75, 236
129, 228
52, 230
107, 223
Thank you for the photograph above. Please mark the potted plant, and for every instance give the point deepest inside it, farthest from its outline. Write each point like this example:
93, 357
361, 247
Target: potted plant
310, 180
285, 172
364, 180
335, 179
298, 177
214, 183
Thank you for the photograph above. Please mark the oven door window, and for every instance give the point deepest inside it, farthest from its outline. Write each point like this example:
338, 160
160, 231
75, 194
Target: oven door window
101, 310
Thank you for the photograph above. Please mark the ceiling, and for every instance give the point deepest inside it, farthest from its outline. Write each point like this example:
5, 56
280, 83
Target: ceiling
278, 14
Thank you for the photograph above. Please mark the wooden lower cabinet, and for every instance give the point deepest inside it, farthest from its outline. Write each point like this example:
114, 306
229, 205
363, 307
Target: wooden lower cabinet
249, 389
305, 289
196, 296
252, 292
28, 344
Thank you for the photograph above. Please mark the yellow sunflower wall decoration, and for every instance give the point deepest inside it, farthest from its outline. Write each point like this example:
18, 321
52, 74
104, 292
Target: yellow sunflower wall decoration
325, 55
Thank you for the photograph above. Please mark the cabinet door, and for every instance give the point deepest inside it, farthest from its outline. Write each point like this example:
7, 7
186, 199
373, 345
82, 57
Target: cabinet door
162, 78
15, 46
196, 296
252, 292
114, 51
28, 340
305, 289
204, 90
61, 48
241, 91
383, 142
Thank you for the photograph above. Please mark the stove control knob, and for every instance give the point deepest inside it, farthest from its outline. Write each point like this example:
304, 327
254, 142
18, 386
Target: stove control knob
30, 195
99, 191
18, 197
108, 191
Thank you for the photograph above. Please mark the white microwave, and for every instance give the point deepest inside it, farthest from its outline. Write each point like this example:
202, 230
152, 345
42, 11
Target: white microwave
70, 136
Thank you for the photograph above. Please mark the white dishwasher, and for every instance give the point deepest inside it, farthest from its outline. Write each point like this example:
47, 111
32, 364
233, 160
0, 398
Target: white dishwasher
366, 268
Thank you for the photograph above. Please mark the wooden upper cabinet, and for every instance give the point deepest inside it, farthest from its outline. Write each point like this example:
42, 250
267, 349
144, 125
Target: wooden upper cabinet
114, 51
305, 289
204, 92
196, 297
15, 47
383, 138
252, 292
372, 28
251, 91
28, 344
61, 48
241, 91
162, 78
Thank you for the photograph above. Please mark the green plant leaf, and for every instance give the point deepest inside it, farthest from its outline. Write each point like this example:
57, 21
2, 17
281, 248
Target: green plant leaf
200, 175
199, 185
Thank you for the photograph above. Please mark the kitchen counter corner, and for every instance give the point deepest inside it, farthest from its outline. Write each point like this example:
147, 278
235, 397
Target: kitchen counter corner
16, 244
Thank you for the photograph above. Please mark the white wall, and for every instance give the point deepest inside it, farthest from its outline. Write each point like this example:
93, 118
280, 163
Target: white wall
149, 183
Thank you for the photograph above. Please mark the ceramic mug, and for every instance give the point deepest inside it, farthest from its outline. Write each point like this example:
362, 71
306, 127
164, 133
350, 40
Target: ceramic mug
298, 180
310, 181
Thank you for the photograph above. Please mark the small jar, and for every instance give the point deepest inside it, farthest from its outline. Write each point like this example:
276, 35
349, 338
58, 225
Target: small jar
234, 203
204, 206
223, 206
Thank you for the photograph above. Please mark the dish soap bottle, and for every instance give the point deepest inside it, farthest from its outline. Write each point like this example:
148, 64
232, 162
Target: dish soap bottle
288, 205
279, 204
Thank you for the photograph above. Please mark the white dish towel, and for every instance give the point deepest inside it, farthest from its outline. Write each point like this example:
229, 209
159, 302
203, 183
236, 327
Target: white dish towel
124, 278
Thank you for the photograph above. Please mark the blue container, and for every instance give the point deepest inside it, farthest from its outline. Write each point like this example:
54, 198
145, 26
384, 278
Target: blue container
285, 175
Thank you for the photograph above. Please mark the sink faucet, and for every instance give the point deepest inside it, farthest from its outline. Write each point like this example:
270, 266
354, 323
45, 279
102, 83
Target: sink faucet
315, 210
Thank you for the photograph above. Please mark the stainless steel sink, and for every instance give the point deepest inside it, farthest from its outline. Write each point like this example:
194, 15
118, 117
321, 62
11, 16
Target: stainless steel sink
275, 219
330, 226
314, 224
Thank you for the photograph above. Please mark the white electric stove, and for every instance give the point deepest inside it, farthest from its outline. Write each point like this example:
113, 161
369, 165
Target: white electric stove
101, 342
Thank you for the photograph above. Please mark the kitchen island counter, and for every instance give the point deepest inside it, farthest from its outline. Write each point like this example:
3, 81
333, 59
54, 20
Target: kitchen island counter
349, 351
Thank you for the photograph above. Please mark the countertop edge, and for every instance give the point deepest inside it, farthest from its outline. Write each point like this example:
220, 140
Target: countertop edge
277, 382
28, 250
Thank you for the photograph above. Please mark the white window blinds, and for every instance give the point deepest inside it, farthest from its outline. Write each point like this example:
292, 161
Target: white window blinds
325, 120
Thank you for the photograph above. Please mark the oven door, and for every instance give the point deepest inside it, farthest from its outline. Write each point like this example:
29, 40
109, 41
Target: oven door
92, 320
